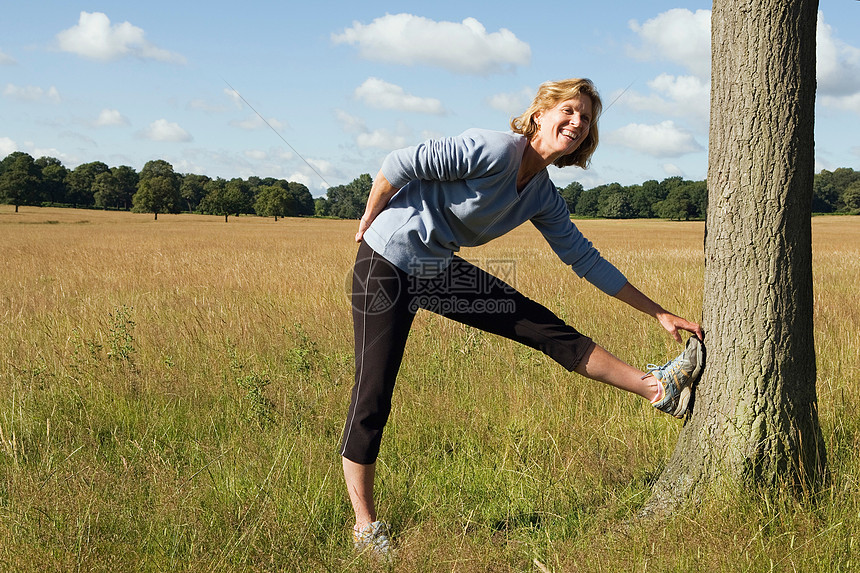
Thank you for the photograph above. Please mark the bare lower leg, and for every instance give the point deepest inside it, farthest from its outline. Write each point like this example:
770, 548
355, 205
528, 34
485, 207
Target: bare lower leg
600, 365
359, 484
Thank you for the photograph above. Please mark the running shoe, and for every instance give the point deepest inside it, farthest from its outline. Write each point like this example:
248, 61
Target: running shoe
677, 378
373, 538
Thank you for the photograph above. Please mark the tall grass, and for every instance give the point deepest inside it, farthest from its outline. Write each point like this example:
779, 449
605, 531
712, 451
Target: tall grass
172, 395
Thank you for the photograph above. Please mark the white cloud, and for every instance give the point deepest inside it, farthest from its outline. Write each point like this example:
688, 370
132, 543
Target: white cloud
673, 95
7, 146
380, 139
182, 165
110, 117
384, 139
686, 90
322, 166
96, 38
512, 103
32, 93
383, 95
281, 154
234, 97
678, 35
664, 139
672, 170
47, 152
307, 177
350, 123
838, 67
163, 130
256, 122
683, 37
589, 178
464, 47
6, 59
848, 103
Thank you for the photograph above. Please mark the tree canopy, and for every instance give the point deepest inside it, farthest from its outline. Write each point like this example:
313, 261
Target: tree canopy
19, 179
348, 201
157, 189
79, 183
225, 198
115, 188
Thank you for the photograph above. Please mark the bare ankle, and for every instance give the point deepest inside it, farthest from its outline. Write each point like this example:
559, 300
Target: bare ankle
659, 392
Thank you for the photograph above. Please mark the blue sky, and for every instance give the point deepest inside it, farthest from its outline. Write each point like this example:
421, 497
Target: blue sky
346, 82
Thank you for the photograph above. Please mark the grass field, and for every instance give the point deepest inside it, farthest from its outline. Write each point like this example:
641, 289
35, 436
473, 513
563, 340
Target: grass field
172, 394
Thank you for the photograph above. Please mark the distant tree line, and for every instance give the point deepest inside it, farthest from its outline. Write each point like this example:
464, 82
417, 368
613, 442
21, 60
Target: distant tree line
673, 198
678, 199
157, 188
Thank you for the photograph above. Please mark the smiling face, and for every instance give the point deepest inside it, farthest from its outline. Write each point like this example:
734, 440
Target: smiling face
562, 128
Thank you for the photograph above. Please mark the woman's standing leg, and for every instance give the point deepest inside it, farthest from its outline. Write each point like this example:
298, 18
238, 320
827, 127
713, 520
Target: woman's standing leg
359, 484
381, 323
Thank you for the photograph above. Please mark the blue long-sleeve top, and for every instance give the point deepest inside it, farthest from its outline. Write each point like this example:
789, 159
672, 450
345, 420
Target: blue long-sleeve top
462, 192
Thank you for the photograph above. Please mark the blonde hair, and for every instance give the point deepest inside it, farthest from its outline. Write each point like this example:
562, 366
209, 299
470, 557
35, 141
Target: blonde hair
549, 95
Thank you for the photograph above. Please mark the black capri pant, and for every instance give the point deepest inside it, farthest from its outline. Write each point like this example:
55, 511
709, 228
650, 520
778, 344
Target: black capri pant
384, 302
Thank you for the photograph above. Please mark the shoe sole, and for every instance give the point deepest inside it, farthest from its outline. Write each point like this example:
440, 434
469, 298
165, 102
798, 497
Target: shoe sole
699, 361
683, 401
696, 357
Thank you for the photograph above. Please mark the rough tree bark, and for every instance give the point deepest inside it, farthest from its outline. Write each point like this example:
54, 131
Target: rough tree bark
755, 418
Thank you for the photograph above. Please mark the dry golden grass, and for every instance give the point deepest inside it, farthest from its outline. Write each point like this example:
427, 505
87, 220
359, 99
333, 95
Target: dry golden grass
172, 394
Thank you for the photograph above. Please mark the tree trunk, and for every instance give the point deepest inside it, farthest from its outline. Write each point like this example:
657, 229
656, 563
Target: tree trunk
755, 418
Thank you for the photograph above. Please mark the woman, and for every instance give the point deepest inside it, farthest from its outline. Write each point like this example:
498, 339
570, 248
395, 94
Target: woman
427, 202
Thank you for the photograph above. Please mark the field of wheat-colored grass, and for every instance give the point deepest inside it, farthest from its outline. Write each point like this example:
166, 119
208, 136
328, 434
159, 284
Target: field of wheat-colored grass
172, 394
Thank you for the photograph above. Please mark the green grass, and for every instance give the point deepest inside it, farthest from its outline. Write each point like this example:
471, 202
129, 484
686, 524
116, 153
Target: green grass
172, 395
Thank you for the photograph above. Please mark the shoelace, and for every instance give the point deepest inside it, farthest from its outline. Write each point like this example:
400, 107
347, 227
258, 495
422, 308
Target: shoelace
649, 368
